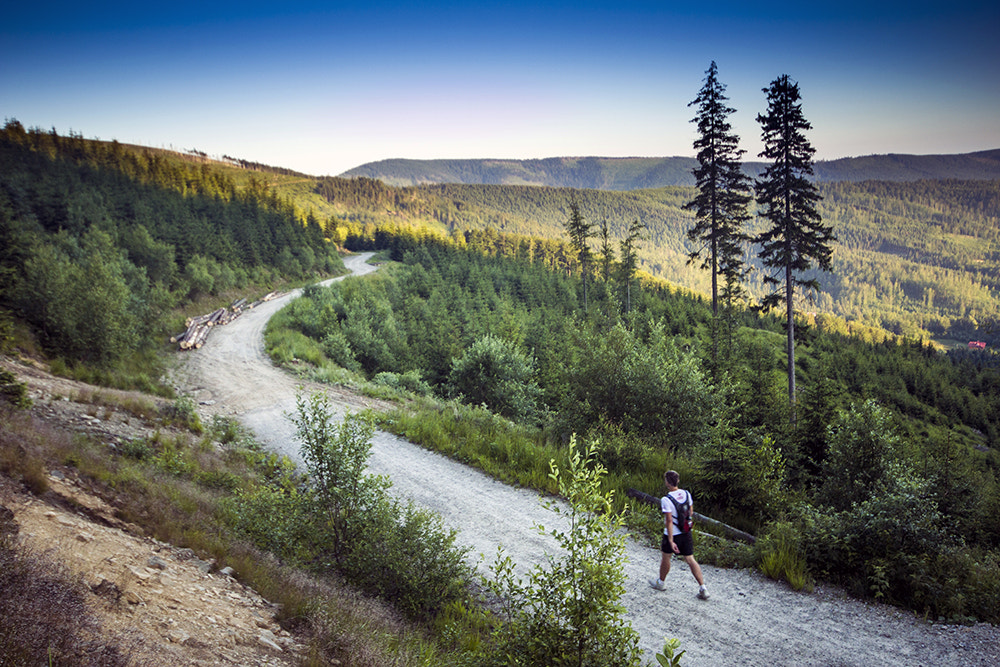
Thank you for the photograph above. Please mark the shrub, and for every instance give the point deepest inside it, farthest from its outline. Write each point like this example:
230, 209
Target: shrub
398, 552
139, 449
494, 373
781, 556
570, 612
409, 557
184, 413
12, 391
225, 429
410, 381
653, 388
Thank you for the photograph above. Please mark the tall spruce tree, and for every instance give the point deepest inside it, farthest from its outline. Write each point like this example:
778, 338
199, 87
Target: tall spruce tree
629, 262
580, 231
787, 199
724, 192
607, 251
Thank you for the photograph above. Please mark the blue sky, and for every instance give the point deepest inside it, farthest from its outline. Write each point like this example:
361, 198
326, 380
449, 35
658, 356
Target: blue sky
321, 87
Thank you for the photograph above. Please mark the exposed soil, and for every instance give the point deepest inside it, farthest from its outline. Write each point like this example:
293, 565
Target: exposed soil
210, 619
167, 606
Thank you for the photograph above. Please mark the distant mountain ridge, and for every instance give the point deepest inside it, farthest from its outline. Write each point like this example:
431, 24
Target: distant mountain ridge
633, 173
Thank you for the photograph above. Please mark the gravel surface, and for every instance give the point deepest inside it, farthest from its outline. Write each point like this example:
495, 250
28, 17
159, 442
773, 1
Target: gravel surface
749, 619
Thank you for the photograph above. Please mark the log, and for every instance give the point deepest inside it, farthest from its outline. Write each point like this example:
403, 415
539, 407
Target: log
200, 337
729, 531
214, 316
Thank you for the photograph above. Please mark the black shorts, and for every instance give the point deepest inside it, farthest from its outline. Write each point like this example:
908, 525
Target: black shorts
684, 542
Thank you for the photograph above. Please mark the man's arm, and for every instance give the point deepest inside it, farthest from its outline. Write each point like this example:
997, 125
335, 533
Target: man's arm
668, 520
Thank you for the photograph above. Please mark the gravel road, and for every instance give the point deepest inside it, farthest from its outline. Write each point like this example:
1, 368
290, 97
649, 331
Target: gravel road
749, 620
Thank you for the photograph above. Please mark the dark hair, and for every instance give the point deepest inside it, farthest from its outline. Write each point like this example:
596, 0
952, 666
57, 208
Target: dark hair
672, 478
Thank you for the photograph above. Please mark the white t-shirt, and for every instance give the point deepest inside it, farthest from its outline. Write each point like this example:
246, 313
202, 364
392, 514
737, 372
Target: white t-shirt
681, 496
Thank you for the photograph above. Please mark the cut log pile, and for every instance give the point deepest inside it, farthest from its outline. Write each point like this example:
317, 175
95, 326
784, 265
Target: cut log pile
198, 327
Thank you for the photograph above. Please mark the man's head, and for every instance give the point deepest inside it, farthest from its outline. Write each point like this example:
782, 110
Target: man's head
672, 479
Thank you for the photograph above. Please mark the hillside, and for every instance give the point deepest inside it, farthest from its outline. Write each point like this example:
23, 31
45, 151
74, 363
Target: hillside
632, 173
914, 258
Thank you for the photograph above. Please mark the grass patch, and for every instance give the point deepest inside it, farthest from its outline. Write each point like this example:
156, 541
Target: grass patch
781, 556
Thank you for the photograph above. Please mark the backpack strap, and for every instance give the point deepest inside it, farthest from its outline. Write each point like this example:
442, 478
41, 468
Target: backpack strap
677, 507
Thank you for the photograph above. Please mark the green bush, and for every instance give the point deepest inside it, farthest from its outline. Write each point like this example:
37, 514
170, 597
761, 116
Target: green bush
781, 555
398, 552
494, 373
409, 557
184, 413
570, 611
12, 391
410, 381
654, 387
139, 449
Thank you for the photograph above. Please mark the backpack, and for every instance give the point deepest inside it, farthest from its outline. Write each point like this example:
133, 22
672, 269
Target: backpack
683, 513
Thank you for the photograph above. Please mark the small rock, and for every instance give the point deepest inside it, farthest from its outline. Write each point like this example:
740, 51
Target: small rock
157, 563
227, 571
133, 598
269, 643
84, 537
178, 636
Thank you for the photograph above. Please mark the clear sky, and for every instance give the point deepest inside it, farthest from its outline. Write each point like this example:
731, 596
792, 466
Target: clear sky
321, 87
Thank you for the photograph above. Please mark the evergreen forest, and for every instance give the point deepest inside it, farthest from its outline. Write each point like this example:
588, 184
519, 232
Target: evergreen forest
918, 259
886, 483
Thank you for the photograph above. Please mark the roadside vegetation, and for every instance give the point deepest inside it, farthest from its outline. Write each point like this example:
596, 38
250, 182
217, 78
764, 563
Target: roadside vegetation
539, 361
206, 489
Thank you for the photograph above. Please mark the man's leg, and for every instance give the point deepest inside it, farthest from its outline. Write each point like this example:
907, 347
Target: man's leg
695, 569
665, 559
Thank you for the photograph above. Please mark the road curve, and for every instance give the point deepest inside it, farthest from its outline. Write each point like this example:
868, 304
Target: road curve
749, 619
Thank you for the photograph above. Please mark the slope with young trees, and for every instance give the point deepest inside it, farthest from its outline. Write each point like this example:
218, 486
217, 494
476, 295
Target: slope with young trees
102, 240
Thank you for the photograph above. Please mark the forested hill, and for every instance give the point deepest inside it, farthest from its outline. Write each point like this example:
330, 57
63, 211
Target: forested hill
99, 242
916, 258
634, 173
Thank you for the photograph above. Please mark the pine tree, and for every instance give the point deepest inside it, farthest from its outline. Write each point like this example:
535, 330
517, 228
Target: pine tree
724, 193
607, 252
630, 260
579, 231
787, 199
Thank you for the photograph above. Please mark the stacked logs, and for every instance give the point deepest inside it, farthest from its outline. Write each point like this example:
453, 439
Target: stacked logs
198, 327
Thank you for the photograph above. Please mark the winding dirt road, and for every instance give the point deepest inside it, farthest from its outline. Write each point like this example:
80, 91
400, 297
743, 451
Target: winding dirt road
749, 619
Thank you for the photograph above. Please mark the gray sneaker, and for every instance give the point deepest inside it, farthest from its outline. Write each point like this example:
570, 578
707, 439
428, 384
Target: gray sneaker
702, 593
657, 585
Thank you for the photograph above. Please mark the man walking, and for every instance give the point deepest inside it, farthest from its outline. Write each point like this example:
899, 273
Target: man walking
677, 507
